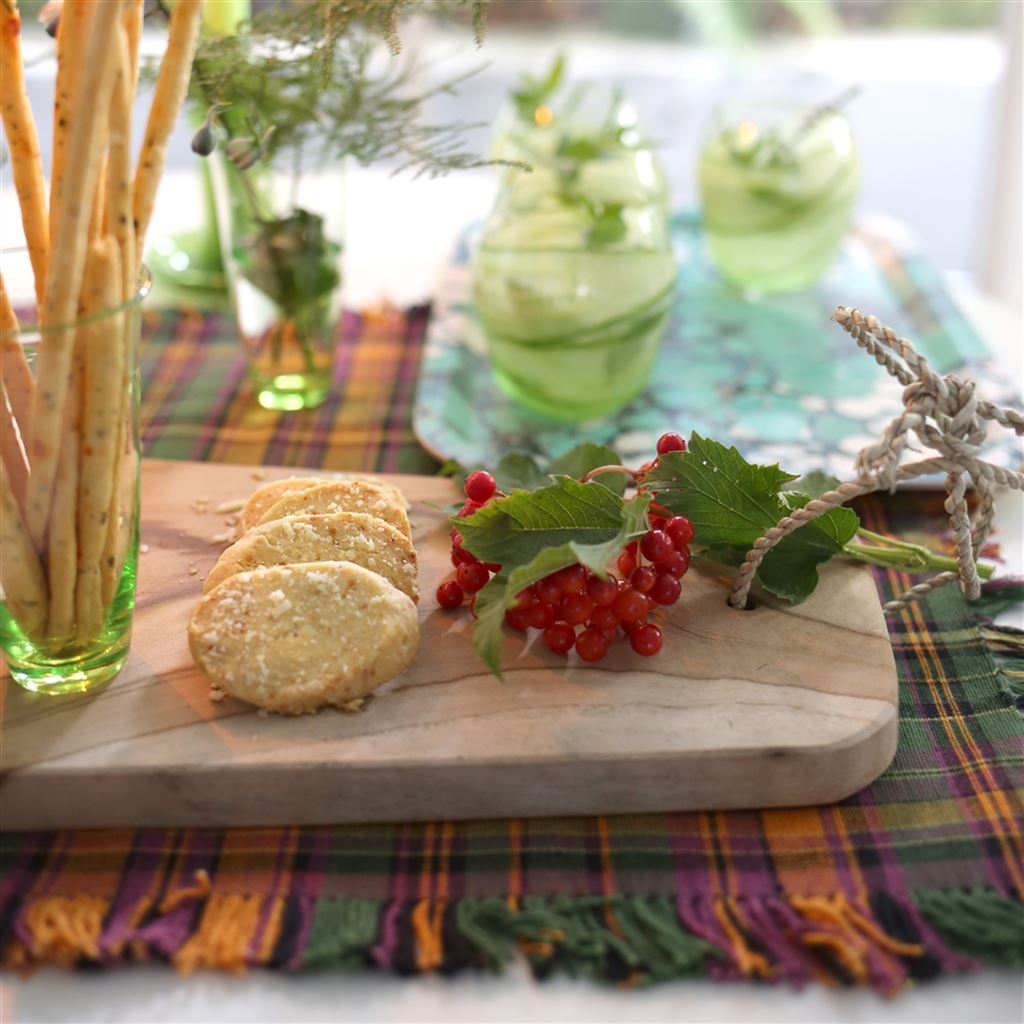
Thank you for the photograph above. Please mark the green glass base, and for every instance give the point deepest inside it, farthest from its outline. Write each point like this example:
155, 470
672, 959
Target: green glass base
288, 392
73, 667
565, 412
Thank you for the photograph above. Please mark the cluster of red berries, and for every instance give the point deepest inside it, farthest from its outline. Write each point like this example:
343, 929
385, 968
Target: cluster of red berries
574, 607
471, 574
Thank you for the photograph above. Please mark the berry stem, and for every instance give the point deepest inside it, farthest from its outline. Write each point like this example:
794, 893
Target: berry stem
624, 470
899, 554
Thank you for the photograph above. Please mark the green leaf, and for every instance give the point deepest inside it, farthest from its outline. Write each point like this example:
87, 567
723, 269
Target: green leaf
500, 594
731, 503
586, 457
513, 530
517, 471
790, 569
816, 483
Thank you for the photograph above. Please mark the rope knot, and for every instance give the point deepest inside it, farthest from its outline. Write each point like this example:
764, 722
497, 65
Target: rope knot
946, 416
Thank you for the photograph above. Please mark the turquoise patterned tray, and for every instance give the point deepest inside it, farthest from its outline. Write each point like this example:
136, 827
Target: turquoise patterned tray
771, 375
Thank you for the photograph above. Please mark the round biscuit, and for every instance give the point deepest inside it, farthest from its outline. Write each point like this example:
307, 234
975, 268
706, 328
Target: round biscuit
269, 494
264, 497
342, 536
296, 638
341, 496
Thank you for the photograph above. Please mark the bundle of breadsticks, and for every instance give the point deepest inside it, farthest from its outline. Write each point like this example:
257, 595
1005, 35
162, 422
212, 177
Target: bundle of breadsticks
66, 428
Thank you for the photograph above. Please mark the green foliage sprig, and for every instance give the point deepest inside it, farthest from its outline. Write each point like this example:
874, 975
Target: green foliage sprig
306, 78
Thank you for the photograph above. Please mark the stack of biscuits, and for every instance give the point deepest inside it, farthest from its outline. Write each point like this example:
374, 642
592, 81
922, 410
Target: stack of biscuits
315, 604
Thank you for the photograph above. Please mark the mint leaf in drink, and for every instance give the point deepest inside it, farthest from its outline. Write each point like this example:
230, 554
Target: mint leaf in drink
732, 502
514, 530
500, 594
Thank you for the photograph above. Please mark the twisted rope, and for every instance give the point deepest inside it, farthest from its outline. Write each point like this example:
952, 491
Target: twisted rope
943, 414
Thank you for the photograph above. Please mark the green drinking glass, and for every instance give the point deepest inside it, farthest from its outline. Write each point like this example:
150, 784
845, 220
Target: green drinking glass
777, 182
574, 275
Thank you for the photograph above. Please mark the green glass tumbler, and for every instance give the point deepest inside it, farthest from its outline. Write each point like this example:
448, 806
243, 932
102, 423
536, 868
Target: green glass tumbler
574, 274
777, 182
69, 597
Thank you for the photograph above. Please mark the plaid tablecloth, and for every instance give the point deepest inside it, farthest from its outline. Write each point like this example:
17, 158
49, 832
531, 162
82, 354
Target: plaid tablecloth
920, 873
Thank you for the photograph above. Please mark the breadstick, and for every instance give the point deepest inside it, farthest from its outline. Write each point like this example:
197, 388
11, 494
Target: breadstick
62, 550
27, 165
11, 451
171, 85
133, 14
119, 216
119, 166
72, 38
15, 374
97, 227
66, 266
20, 571
104, 355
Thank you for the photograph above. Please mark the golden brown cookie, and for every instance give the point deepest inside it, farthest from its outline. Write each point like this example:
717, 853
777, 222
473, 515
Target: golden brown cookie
294, 638
342, 536
341, 496
269, 494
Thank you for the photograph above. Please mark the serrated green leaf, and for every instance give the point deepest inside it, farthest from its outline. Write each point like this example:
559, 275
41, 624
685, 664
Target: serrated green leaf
517, 471
586, 457
513, 530
816, 483
731, 503
500, 594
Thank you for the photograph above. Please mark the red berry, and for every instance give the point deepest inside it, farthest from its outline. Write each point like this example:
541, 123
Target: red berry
666, 589
492, 566
657, 522
480, 486
472, 577
657, 547
450, 594
540, 615
575, 608
671, 442
630, 606
460, 556
680, 530
548, 590
626, 563
572, 579
601, 591
560, 637
646, 640
629, 627
591, 644
517, 620
604, 617
468, 509
643, 578
633, 547
678, 564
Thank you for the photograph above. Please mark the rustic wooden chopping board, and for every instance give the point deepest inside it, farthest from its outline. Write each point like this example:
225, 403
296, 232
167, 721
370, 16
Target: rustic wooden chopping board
771, 707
